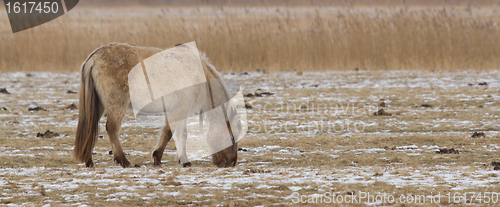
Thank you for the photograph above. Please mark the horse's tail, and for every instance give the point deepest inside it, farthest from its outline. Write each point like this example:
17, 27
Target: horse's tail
89, 114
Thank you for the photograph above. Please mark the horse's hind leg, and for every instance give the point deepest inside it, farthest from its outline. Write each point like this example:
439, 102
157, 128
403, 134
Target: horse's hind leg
113, 125
166, 135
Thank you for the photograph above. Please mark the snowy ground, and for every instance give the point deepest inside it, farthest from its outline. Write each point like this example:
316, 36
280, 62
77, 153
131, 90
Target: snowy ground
315, 138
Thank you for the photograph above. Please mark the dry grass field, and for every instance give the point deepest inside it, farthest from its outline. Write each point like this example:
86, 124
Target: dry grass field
376, 97
317, 134
341, 35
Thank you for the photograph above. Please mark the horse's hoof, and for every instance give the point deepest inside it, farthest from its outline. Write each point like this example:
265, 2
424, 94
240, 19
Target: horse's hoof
89, 163
156, 158
124, 163
157, 162
187, 164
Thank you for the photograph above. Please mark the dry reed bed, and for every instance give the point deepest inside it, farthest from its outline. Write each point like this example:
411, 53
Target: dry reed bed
271, 38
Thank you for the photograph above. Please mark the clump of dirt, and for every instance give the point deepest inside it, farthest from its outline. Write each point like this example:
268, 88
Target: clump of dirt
483, 84
242, 149
248, 106
426, 106
281, 187
447, 151
47, 134
382, 112
251, 95
4, 91
37, 109
171, 181
299, 73
42, 191
382, 104
253, 170
71, 107
245, 73
478, 134
267, 93
496, 165
70, 91
4, 109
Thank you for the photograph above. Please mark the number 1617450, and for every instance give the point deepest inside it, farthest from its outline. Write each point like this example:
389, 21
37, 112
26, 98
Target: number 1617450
32, 7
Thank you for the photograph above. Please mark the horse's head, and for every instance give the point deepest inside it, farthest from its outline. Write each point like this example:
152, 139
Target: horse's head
228, 157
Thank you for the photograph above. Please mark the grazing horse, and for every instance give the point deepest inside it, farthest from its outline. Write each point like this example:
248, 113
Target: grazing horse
105, 89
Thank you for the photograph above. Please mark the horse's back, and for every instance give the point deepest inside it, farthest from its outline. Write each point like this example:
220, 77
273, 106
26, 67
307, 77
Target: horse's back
110, 67
112, 63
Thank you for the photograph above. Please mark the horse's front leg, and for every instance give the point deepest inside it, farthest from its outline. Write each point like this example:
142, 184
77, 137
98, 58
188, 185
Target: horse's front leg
165, 137
113, 126
180, 137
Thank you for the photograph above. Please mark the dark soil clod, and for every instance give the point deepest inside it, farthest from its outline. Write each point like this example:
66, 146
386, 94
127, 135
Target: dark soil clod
267, 93
47, 134
242, 149
478, 134
483, 84
253, 170
70, 91
381, 112
248, 106
251, 95
447, 151
4, 91
426, 106
382, 104
4, 109
37, 109
71, 107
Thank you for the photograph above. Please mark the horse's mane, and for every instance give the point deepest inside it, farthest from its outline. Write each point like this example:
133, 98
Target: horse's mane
232, 107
